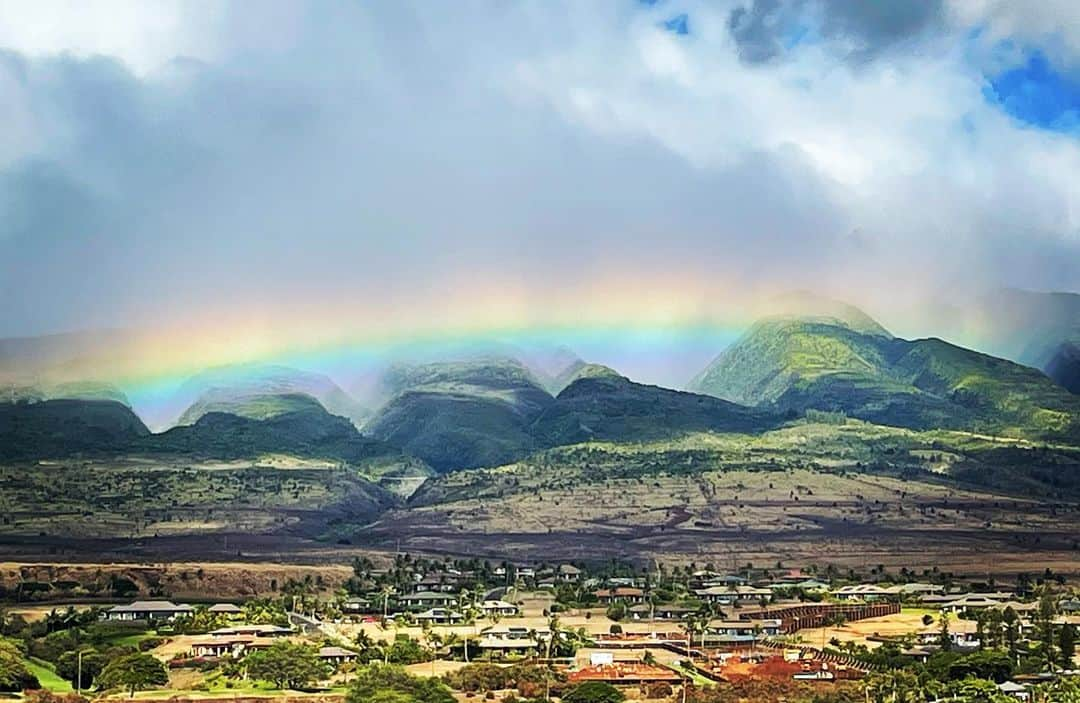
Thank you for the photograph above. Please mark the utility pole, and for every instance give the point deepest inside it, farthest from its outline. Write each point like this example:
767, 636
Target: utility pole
78, 676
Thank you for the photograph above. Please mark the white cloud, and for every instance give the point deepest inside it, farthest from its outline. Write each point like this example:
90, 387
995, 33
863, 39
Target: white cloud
335, 151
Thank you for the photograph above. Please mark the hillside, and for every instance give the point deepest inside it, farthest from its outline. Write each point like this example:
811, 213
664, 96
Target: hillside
242, 389
303, 429
460, 414
68, 390
1028, 327
1064, 366
57, 428
577, 370
791, 365
602, 405
254, 406
809, 492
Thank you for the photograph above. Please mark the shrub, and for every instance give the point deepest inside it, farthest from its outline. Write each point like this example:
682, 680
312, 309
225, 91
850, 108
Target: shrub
594, 692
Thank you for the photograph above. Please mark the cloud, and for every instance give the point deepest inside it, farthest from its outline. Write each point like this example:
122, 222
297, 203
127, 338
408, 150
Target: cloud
359, 161
764, 30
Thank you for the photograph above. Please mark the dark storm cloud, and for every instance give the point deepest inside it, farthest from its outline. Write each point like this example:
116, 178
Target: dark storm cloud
764, 29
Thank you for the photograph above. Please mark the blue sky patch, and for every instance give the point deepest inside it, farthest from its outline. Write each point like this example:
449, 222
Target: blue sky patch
1036, 93
679, 24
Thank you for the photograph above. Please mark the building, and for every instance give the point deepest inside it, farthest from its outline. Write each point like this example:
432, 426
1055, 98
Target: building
503, 639
733, 594
1015, 690
220, 646
645, 611
428, 599
336, 656
568, 573
498, 608
148, 610
972, 601
440, 616
227, 609
252, 631
737, 631
622, 594
357, 605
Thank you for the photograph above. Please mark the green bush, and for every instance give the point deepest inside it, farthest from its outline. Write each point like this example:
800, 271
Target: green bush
594, 692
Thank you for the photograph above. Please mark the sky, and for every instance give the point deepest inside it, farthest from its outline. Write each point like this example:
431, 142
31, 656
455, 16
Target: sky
258, 176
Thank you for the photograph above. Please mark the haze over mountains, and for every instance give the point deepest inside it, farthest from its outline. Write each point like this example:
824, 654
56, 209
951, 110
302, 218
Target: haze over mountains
489, 405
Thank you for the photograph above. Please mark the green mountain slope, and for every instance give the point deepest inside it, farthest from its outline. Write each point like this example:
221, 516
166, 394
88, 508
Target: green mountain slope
460, 414
1029, 327
609, 407
303, 429
793, 365
243, 389
579, 370
254, 406
56, 428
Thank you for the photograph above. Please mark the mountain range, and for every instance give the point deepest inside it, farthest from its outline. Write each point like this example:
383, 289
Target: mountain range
489, 408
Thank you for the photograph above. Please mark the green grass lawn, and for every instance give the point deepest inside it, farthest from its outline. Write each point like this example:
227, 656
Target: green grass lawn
47, 677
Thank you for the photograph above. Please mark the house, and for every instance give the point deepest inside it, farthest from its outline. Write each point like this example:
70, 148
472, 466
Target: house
443, 583
148, 610
865, 592
440, 616
228, 609
428, 599
568, 573
357, 605
504, 639
733, 594
219, 646
1018, 691
1069, 606
806, 585
251, 631
972, 601
646, 611
336, 656
498, 607
622, 594
625, 673
736, 631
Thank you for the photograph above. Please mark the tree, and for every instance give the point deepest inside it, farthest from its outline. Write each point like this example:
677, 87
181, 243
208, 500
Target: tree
287, 665
1067, 645
594, 692
944, 638
133, 672
14, 676
93, 662
380, 683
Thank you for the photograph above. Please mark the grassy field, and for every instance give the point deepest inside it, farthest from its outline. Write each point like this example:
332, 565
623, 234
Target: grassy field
47, 677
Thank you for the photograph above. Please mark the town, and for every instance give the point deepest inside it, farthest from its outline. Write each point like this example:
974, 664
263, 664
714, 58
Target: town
440, 630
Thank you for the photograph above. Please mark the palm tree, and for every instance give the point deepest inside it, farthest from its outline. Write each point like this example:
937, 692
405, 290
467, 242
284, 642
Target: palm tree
435, 642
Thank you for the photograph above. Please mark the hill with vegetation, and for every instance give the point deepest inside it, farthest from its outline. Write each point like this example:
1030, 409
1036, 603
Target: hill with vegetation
601, 405
250, 390
793, 364
301, 428
460, 414
63, 427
